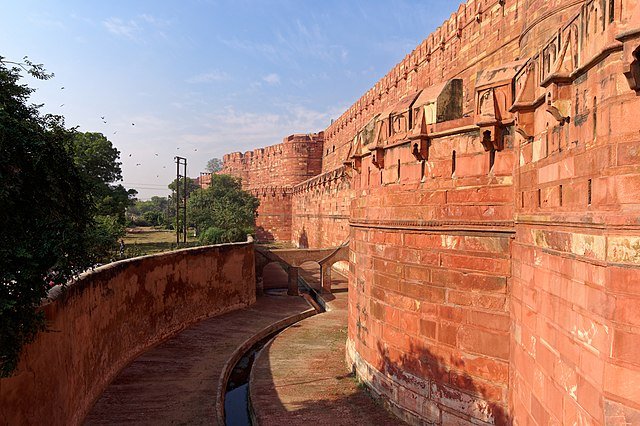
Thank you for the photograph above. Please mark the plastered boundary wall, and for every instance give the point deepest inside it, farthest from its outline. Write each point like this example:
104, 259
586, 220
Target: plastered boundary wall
103, 321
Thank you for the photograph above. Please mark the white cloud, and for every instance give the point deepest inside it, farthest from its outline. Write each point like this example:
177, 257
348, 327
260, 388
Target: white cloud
129, 29
208, 77
272, 79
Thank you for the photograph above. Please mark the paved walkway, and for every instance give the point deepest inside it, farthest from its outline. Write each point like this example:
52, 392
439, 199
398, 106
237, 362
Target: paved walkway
176, 381
301, 378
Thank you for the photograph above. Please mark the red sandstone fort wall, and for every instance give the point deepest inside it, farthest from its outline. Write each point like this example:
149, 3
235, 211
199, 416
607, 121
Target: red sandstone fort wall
575, 334
493, 217
270, 174
102, 322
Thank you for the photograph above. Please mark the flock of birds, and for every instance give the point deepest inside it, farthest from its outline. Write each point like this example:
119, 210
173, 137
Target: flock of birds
102, 117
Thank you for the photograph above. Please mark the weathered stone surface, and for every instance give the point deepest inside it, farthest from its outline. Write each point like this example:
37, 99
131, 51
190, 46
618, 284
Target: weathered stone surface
103, 321
494, 252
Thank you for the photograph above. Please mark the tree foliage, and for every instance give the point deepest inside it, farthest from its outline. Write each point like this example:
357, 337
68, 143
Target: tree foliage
98, 161
153, 212
46, 212
192, 185
214, 165
222, 213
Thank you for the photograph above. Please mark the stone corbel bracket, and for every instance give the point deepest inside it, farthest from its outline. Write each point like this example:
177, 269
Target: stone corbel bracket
631, 57
494, 97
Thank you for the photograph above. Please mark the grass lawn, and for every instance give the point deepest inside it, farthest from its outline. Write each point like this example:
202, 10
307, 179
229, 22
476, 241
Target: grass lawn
140, 241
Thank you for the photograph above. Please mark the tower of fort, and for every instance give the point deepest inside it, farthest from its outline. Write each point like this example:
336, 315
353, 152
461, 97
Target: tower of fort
489, 188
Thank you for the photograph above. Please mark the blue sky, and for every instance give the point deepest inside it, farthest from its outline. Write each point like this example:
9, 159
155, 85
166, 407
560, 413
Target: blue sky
201, 78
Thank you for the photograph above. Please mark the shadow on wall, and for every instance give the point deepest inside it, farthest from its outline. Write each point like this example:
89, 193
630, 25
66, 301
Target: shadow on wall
445, 379
274, 276
263, 235
303, 241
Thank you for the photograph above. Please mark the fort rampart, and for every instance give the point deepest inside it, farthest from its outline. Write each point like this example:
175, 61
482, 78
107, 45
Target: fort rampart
104, 320
489, 186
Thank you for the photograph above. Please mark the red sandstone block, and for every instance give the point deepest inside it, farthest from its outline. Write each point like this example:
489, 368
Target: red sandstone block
569, 349
486, 368
468, 281
538, 412
623, 280
452, 313
423, 292
402, 302
590, 398
417, 273
423, 241
622, 382
428, 328
627, 311
394, 337
626, 346
485, 342
481, 194
409, 322
628, 153
386, 266
377, 310
592, 366
491, 320
628, 188
546, 358
461, 298
387, 282
447, 333
475, 263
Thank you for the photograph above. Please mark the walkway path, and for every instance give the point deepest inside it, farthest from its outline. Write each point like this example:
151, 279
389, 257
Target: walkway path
176, 381
301, 378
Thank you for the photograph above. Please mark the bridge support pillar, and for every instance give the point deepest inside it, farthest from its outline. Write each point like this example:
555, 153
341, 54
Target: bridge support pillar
325, 277
293, 281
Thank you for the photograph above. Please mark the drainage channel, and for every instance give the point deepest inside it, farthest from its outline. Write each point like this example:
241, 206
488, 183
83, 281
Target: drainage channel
236, 400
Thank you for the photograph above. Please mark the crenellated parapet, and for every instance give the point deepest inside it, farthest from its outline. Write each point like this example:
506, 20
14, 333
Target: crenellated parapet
297, 158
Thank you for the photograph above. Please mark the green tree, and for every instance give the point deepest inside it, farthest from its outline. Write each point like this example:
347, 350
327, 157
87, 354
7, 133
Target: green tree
99, 163
223, 212
45, 214
214, 165
152, 212
192, 185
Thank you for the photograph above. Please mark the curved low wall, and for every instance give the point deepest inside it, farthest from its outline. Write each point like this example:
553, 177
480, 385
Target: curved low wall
111, 315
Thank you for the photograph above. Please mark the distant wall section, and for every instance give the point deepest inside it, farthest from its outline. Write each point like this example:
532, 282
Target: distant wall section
271, 173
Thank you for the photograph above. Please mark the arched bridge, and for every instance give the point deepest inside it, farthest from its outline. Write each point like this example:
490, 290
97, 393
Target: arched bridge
291, 259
